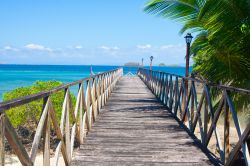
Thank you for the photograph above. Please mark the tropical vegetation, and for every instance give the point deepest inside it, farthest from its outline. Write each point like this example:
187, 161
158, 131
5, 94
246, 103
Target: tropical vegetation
28, 115
221, 48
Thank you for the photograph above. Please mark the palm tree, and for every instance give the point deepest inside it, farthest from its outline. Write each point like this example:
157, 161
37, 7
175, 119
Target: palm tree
221, 49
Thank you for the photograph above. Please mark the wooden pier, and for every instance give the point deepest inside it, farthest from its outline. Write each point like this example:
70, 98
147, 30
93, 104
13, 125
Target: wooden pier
134, 128
152, 118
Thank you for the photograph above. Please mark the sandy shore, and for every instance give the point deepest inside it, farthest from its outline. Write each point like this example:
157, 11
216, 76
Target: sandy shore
13, 160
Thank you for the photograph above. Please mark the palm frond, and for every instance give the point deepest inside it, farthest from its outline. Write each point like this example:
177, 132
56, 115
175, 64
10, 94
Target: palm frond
173, 9
222, 47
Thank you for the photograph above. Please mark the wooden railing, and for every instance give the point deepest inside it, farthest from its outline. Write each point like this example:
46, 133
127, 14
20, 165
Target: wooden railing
73, 123
190, 101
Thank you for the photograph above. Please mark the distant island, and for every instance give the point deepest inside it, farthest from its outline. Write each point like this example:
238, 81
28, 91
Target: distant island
132, 64
164, 65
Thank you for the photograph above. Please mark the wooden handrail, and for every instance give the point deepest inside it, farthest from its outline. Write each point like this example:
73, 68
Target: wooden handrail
27, 99
224, 87
199, 112
68, 131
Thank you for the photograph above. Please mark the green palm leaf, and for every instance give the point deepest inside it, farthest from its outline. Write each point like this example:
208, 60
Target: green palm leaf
222, 47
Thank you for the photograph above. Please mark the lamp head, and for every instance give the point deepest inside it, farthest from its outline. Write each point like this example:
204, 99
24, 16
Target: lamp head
151, 58
188, 38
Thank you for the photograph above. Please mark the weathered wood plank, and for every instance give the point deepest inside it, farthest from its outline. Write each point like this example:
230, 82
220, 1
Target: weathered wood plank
15, 143
46, 144
67, 129
236, 149
226, 129
75, 131
39, 130
58, 130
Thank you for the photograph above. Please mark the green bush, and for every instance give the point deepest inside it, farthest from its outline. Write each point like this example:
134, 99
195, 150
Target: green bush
30, 113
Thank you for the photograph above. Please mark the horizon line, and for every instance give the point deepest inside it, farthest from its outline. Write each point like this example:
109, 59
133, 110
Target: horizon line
171, 65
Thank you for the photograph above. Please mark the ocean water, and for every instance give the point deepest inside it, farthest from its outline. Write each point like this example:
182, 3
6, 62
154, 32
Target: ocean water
14, 76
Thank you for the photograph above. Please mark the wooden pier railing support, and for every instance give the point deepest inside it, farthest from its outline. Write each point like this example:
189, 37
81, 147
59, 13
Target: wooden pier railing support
189, 106
2, 145
74, 124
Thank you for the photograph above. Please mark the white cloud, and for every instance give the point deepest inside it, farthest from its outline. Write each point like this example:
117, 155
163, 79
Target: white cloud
116, 48
37, 47
78, 47
109, 48
75, 54
171, 46
9, 48
147, 46
105, 47
167, 46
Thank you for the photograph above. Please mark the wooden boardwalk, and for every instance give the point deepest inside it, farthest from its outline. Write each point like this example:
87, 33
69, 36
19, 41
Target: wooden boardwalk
135, 129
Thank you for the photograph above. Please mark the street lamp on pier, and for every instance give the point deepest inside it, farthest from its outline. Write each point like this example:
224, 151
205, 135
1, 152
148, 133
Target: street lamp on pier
188, 38
151, 59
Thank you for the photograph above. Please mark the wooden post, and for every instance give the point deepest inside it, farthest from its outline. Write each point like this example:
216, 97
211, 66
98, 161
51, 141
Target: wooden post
166, 90
67, 127
102, 91
163, 89
184, 96
170, 92
93, 100
81, 125
205, 121
2, 145
59, 132
193, 93
16, 144
87, 101
176, 96
226, 129
39, 130
192, 104
46, 143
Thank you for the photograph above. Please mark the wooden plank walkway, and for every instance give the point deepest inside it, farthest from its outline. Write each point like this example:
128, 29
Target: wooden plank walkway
135, 129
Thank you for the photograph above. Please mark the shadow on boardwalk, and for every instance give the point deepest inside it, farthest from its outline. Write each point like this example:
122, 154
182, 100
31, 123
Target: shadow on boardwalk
135, 129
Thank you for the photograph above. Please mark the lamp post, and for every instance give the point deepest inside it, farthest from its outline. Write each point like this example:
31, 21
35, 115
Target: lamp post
142, 62
188, 38
151, 59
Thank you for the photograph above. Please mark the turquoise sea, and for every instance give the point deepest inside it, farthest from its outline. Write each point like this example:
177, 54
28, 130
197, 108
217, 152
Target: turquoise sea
14, 76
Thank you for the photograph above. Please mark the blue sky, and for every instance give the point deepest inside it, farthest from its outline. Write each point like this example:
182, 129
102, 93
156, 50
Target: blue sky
110, 32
